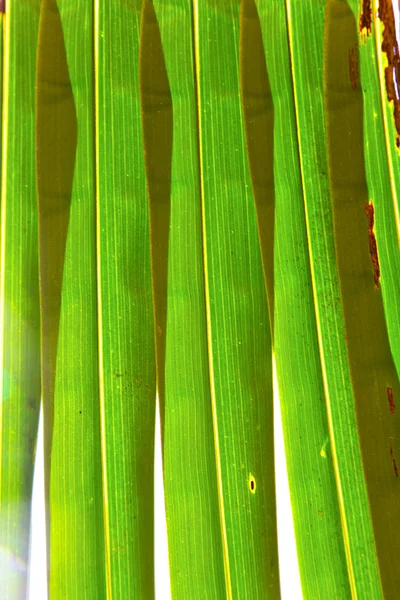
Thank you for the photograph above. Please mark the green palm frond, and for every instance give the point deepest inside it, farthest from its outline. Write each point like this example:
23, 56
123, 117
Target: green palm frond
215, 192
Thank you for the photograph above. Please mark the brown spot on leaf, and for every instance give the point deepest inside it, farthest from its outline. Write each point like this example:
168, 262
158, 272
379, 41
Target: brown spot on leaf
2, 6
392, 405
396, 472
391, 49
353, 68
252, 484
366, 17
32, 403
373, 249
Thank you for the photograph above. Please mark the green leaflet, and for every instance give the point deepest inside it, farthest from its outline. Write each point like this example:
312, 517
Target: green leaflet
309, 99
98, 348
66, 196
126, 331
19, 293
320, 544
382, 174
357, 363
387, 56
190, 478
374, 377
237, 313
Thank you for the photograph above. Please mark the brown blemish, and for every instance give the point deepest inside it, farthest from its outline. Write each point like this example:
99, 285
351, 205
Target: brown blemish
391, 49
353, 68
392, 405
32, 403
252, 484
373, 249
366, 18
396, 472
2, 6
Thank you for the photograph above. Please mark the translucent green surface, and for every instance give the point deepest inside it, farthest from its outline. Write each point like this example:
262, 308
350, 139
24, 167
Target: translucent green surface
215, 183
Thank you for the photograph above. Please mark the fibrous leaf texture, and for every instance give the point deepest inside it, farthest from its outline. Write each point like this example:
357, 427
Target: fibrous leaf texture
195, 193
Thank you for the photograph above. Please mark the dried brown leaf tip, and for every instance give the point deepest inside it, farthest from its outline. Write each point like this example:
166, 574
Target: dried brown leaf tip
373, 249
392, 405
353, 67
391, 49
366, 18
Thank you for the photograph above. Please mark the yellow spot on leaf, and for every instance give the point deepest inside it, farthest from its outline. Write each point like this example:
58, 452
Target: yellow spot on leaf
323, 449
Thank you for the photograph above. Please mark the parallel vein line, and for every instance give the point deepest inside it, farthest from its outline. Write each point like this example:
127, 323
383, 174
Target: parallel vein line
6, 64
99, 313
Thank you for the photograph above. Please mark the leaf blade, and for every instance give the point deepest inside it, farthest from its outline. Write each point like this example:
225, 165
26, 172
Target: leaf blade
126, 328
319, 539
71, 414
188, 443
19, 293
237, 313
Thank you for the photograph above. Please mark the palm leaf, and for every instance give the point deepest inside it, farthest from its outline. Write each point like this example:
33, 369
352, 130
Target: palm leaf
386, 56
357, 364
190, 478
19, 294
99, 377
320, 544
126, 332
381, 158
216, 187
237, 313
66, 192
